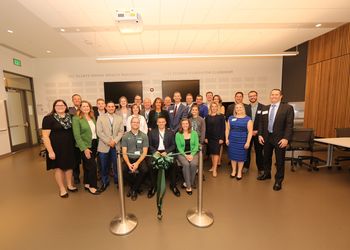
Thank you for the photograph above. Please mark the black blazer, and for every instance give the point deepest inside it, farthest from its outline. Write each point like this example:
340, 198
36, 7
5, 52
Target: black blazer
169, 141
257, 115
283, 125
152, 120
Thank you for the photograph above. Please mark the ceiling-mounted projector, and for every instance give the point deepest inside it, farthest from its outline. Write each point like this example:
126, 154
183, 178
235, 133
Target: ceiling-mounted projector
129, 22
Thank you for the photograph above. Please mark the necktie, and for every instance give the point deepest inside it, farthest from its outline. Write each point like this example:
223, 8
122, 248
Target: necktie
175, 110
271, 118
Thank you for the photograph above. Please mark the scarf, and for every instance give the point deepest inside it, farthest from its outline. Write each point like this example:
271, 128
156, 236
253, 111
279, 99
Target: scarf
65, 121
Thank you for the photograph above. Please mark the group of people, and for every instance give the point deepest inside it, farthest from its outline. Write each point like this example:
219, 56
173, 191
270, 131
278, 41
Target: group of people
144, 129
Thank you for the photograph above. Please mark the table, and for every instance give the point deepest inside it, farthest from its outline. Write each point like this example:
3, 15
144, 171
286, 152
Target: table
339, 141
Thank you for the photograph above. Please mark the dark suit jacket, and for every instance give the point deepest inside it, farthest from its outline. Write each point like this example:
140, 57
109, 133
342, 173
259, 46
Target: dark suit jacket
96, 113
143, 112
283, 125
72, 110
257, 115
169, 141
175, 120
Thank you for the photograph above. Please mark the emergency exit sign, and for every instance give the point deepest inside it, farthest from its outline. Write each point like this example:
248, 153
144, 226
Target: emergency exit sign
17, 62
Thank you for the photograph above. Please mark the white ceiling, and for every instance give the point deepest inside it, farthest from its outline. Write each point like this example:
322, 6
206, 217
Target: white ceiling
170, 26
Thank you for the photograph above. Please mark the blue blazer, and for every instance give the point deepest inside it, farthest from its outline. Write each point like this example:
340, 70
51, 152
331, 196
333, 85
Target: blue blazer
175, 120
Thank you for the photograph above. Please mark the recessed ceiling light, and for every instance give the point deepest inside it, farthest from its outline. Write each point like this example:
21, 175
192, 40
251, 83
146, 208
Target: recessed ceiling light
318, 25
48, 51
10, 31
62, 30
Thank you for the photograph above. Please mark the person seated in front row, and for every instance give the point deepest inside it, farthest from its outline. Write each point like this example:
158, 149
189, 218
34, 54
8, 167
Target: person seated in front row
187, 143
134, 149
162, 141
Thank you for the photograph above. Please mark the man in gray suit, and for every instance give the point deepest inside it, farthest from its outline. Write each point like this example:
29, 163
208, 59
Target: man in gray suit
110, 130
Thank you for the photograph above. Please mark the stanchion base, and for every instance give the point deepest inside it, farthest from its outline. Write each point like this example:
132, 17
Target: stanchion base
205, 219
119, 227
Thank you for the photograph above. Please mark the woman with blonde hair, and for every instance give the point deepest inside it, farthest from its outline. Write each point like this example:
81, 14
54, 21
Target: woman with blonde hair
123, 110
84, 130
239, 131
214, 135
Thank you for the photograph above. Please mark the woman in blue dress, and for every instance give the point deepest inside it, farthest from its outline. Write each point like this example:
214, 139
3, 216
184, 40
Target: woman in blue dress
239, 131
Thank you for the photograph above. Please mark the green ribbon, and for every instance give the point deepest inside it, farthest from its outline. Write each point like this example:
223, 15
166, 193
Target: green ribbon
161, 163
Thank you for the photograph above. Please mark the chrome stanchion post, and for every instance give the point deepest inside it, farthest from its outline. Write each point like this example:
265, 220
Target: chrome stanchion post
197, 216
127, 222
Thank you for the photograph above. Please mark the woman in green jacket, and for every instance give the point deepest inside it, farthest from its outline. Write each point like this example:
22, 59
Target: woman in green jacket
187, 143
84, 130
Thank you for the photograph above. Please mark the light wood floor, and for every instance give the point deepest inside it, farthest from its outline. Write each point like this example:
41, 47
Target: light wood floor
310, 212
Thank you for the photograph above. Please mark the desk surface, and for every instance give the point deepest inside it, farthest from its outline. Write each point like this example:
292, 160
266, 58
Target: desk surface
340, 141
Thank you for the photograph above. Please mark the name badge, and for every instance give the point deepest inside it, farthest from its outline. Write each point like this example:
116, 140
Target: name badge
258, 111
171, 111
137, 152
139, 141
265, 112
234, 119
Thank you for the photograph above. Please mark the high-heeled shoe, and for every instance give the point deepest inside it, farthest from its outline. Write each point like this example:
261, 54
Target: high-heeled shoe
233, 176
189, 192
238, 178
215, 173
211, 170
65, 195
86, 188
74, 189
94, 193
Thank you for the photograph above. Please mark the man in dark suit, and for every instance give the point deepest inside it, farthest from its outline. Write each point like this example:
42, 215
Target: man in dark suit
162, 141
189, 103
76, 100
275, 131
254, 111
138, 101
176, 112
231, 107
100, 108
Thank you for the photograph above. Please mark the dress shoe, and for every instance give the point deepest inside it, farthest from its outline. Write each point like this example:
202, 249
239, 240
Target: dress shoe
189, 192
176, 191
65, 195
103, 188
151, 192
76, 181
277, 186
264, 177
73, 189
133, 195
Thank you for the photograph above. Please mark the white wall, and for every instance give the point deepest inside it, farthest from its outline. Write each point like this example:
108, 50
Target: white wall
6, 63
60, 78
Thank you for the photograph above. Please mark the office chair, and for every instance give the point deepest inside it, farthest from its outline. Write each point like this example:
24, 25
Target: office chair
342, 132
303, 140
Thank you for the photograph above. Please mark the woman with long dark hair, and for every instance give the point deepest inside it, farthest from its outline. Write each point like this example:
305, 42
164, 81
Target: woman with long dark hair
58, 139
157, 111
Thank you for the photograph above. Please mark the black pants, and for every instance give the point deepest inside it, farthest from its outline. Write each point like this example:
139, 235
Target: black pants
135, 179
258, 154
280, 153
90, 166
76, 168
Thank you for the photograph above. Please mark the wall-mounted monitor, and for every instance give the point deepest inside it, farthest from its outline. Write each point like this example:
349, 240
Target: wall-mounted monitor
114, 90
183, 86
